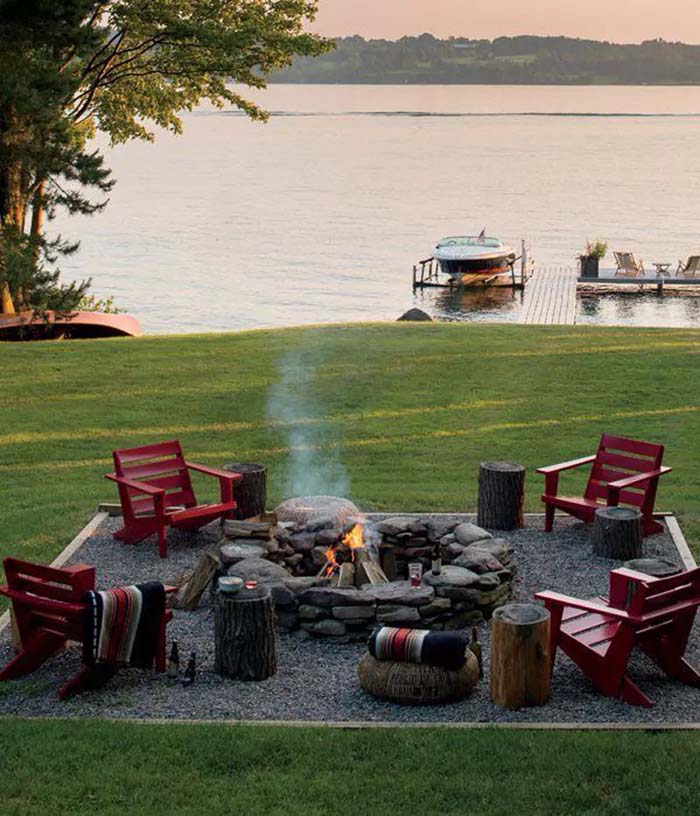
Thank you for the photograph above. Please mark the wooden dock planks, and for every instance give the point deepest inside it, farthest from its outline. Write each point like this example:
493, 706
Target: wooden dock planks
551, 297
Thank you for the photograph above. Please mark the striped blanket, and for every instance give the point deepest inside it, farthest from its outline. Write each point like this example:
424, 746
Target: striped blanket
122, 626
446, 649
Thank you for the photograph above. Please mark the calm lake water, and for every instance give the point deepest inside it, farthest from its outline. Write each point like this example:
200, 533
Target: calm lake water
319, 215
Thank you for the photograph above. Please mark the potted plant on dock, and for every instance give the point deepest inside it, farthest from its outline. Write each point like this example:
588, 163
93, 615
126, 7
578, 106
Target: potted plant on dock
591, 258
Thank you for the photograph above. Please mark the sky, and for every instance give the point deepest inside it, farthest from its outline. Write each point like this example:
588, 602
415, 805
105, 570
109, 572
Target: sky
617, 20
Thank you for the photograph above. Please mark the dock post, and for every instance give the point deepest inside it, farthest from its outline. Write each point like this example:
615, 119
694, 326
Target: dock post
660, 287
414, 276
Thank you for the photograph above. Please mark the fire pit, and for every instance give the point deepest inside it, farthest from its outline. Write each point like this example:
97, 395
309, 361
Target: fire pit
336, 573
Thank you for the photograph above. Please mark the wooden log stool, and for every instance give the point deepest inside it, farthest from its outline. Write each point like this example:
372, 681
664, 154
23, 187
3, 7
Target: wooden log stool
520, 656
501, 495
617, 533
244, 634
251, 492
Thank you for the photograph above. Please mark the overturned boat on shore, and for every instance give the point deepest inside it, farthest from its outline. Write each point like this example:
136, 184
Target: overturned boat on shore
67, 326
466, 257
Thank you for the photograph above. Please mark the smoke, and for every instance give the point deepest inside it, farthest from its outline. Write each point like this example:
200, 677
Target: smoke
314, 464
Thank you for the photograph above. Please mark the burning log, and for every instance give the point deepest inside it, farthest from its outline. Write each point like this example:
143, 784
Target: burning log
346, 575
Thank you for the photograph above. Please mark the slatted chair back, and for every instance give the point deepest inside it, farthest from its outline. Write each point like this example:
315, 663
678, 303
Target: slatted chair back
626, 262
678, 594
47, 598
620, 458
161, 465
691, 267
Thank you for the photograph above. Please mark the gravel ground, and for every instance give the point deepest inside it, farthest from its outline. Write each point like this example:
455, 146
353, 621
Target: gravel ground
317, 680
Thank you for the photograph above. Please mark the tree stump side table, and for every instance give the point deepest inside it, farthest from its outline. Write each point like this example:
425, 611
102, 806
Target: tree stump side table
251, 492
656, 567
617, 533
244, 634
519, 660
501, 495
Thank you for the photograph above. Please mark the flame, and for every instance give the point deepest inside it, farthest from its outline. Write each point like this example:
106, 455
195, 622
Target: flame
352, 541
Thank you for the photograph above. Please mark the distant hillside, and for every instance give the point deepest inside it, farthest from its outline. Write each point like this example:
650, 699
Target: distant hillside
506, 60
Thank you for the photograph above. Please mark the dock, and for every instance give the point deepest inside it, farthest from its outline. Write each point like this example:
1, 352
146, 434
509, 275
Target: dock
551, 297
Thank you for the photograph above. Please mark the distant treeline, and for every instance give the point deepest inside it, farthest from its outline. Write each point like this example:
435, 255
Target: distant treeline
505, 60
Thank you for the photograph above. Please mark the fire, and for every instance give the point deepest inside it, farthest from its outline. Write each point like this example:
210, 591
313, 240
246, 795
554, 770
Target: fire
352, 540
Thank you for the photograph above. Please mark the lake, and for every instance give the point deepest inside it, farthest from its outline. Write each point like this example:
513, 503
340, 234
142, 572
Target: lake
319, 215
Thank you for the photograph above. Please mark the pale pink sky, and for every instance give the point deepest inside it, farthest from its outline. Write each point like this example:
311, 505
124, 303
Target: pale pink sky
618, 20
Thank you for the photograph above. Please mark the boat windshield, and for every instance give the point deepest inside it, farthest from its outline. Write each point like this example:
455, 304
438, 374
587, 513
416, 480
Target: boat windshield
470, 240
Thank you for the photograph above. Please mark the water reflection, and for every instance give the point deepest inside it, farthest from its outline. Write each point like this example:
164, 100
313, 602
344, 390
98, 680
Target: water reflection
504, 304
497, 303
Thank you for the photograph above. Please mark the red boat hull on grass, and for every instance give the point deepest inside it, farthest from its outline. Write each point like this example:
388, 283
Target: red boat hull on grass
67, 326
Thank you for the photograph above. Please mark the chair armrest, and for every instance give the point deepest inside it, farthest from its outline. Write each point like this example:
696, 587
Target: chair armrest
558, 599
134, 485
220, 474
574, 463
621, 484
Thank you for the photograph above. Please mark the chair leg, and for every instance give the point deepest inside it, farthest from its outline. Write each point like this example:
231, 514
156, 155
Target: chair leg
548, 518
632, 694
38, 650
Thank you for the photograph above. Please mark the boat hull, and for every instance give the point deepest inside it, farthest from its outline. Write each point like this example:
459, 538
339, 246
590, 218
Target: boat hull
70, 326
468, 268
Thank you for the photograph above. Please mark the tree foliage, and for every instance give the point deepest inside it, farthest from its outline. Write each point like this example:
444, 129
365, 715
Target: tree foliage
70, 68
505, 60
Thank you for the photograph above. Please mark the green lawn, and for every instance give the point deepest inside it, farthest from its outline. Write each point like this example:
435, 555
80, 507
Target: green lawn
111, 768
407, 411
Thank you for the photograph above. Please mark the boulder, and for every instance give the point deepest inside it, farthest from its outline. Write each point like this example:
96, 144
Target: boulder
397, 614
328, 537
487, 582
302, 583
438, 528
478, 561
451, 576
328, 628
496, 597
400, 592
302, 542
395, 526
454, 550
435, 607
319, 556
499, 548
415, 316
316, 509
468, 533
282, 596
335, 596
353, 613
233, 553
465, 594
319, 523
308, 612
257, 569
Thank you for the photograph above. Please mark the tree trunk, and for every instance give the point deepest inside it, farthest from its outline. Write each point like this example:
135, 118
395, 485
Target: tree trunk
617, 533
519, 660
244, 632
501, 495
251, 492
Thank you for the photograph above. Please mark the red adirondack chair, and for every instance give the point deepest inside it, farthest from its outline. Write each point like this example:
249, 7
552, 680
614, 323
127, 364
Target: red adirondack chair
624, 472
48, 607
654, 614
156, 492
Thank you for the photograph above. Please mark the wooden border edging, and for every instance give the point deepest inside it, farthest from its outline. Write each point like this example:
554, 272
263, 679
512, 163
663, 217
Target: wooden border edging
674, 529
66, 553
353, 725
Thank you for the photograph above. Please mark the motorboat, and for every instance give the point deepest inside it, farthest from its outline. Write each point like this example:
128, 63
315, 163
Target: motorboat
467, 256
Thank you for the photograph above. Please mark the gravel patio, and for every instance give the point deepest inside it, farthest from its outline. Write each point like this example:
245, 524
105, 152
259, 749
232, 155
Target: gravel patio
316, 679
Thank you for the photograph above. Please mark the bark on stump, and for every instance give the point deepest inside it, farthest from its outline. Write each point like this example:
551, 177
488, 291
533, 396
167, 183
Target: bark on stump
251, 492
617, 533
501, 495
244, 633
519, 659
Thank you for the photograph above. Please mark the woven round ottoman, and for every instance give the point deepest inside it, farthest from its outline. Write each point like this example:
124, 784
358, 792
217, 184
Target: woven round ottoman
416, 683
